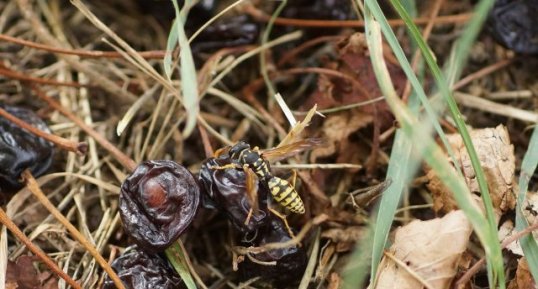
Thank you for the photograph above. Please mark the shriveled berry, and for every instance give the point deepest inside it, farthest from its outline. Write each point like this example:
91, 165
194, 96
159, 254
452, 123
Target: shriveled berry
20, 150
228, 32
290, 262
138, 269
514, 24
227, 190
158, 201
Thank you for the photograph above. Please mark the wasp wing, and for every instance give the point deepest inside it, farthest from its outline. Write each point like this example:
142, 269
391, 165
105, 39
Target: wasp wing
286, 151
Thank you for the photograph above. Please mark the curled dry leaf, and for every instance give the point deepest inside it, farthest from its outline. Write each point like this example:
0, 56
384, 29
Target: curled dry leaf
497, 158
430, 249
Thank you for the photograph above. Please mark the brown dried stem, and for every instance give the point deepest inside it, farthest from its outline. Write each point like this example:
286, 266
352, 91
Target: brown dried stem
65, 144
23, 77
4, 218
476, 267
261, 16
33, 187
122, 158
155, 54
41, 30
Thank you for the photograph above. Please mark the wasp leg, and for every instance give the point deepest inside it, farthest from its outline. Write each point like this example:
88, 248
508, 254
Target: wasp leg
283, 218
225, 167
249, 216
293, 178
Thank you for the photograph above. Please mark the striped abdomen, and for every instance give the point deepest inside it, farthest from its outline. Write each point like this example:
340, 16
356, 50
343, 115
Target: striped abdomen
286, 195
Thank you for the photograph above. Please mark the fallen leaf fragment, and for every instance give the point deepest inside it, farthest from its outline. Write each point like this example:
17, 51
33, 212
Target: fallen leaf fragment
497, 159
22, 274
428, 253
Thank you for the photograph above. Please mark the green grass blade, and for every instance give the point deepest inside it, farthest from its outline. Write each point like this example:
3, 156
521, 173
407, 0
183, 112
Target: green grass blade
171, 43
462, 47
528, 167
399, 170
176, 256
385, 219
356, 269
187, 70
442, 84
425, 145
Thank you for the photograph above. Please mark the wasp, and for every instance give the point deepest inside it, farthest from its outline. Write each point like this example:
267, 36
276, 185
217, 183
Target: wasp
252, 159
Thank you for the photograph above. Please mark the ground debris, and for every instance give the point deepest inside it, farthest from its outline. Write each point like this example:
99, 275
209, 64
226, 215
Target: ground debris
22, 274
496, 155
429, 249
523, 279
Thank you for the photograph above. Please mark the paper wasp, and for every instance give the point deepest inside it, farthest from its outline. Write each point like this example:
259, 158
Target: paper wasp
256, 161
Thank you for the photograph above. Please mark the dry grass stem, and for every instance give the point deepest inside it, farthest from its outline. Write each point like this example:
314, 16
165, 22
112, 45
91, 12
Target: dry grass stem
33, 186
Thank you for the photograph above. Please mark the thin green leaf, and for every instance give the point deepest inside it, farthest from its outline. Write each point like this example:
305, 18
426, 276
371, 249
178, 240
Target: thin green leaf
442, 84
170, 45
425, 145
387, 216
399, 172
528, 167
176, 256
356, 269
189, 82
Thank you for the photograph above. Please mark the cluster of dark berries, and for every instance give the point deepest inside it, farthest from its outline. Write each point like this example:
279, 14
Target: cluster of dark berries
227, 191
160, 199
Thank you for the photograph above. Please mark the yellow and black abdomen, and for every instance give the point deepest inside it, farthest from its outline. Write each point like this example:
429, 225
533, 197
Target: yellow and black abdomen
286, 195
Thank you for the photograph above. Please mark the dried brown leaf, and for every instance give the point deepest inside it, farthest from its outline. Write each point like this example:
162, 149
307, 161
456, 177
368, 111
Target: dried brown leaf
22, 273
430, 249
496, 155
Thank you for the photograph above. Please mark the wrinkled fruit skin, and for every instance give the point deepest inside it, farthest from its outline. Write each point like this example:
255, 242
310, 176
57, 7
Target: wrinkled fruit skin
20, 150
140, 270
229, 32
290, 262
514, 24
158, 201
226, 189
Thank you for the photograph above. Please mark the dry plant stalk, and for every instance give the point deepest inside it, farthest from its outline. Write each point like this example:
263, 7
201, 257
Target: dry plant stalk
126, 161
33, 187
4, 218
65, 144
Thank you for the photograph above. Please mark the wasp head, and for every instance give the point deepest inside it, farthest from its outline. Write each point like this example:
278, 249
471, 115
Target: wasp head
236, 150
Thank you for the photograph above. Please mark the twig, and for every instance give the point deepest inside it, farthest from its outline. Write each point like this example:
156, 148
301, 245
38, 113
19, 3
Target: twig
126, 161
157, 54
23, 77
260, 16
476, 267
68, 145
482, 72
4, 218
121, 95
33, 187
